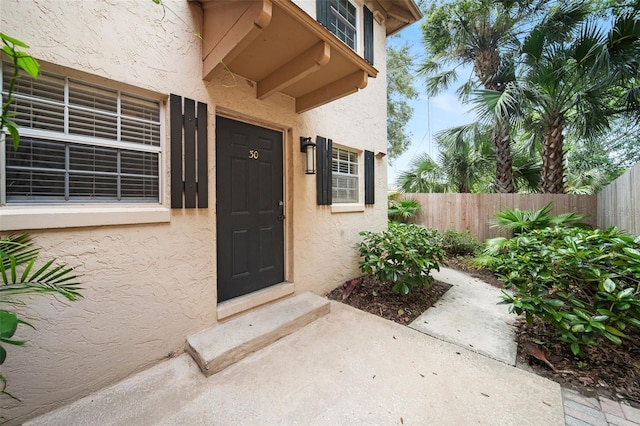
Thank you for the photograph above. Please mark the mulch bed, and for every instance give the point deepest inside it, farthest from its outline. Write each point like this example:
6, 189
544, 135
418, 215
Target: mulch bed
371, 295
606, 369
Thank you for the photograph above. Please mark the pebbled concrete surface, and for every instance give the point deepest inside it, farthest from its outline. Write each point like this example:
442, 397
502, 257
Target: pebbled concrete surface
348, 367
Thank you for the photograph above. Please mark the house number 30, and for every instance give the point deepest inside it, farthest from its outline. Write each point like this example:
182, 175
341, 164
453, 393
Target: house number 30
253, 154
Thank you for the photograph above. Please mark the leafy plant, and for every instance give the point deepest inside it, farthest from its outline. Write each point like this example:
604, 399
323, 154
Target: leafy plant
460, 243
402, 210
21, 60
21, 277
583, 282
403, 255
519, 221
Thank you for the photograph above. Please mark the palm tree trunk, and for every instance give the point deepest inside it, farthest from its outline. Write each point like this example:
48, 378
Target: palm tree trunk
553, 158
501, 137
486, 65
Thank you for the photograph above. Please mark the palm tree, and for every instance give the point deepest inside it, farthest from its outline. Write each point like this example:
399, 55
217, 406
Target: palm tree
477, 33
465, 156
465, 164
573, 76
423, 176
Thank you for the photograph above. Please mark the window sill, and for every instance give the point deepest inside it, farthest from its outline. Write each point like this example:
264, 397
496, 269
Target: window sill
16, 218
347, 208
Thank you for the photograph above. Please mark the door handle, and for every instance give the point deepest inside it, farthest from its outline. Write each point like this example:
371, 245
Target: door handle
280, 210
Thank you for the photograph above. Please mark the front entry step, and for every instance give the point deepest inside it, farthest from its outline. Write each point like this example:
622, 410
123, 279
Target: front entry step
222, 345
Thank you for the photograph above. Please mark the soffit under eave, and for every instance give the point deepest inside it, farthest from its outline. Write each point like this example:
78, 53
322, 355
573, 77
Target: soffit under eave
281, 48
395, 14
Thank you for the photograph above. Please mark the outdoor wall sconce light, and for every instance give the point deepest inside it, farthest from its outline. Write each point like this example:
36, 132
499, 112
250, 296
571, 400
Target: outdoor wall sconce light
309, 149
381, 154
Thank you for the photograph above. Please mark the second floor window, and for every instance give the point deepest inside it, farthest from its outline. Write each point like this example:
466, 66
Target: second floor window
342, 22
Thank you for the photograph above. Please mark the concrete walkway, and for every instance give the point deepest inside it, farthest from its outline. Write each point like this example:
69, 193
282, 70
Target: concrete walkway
350, 367
468, 316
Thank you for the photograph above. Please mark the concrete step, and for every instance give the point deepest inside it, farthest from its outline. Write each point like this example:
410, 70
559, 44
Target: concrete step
222, 345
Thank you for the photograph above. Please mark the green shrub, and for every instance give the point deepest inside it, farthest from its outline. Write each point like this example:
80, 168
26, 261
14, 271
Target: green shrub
460, 243
402, 210
403, 255
519, 221
584, 282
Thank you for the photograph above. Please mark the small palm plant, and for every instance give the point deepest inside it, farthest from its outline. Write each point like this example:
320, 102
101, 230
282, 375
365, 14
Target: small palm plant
519, 221
401, 210
20, 277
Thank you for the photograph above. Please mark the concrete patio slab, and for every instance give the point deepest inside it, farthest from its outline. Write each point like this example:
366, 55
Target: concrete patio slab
348, 367
468, 315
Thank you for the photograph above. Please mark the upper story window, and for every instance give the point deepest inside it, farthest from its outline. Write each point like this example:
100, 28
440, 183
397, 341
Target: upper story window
342, 22
344, 176
341, 18
80, 143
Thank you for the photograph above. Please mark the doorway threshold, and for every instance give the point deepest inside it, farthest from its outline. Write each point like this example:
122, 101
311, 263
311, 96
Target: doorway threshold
250, 301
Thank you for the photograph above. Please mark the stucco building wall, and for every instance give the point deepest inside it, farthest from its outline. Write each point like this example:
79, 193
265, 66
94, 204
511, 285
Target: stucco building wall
147, 287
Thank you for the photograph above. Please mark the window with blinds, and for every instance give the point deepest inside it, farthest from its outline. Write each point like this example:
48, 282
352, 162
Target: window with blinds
80, 143
344, 176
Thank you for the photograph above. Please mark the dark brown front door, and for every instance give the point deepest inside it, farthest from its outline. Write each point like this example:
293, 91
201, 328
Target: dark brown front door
250, 209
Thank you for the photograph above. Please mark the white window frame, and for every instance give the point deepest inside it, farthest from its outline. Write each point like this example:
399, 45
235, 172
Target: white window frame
355, 204
43, 214
335, 13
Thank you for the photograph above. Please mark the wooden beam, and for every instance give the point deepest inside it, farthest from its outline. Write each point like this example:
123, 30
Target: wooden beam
319, 31
379, 12
299, 67
400, 14
249, 18
332, 91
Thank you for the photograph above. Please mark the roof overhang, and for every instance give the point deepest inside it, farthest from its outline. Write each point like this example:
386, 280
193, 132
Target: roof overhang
280, 47
396, 14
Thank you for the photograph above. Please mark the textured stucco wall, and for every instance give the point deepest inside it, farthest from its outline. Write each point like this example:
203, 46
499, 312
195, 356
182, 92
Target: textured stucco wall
147, 287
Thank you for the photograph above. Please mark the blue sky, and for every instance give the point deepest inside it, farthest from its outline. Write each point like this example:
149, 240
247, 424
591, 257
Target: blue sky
429, 115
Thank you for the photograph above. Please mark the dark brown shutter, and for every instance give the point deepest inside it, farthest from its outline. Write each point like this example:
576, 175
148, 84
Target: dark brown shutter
323, 8
323, 170
189, 176
368, 35
369, 178
177, 187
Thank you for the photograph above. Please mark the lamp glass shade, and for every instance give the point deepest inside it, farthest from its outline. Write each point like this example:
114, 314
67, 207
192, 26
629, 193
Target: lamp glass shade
310, 159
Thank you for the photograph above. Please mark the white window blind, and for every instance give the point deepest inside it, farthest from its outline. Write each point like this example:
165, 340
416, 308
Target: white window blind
80, 143
344, 176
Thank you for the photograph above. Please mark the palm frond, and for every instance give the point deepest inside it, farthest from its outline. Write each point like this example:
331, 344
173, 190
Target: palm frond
20, 276
465, 89
562, 20
588, 48
533, 46
490, 105
424, 175
17, 247
440, 82
429, 67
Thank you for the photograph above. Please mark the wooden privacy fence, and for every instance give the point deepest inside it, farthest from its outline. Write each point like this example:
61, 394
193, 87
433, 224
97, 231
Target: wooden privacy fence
619, 203
475, 212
